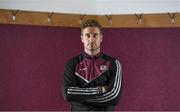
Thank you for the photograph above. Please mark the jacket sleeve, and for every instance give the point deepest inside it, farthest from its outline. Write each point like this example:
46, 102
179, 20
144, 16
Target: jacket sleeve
71, 91
115, 88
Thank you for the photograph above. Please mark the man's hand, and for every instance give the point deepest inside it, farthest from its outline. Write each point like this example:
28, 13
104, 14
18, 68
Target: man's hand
104, 89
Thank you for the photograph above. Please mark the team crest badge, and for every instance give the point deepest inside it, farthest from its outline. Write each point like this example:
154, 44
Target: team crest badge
103, 67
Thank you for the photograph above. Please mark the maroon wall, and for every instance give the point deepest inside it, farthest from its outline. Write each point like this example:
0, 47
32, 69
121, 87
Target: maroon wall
32, 59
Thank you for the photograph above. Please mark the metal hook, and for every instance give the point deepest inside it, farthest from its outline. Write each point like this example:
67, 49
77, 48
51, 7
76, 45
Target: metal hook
139, 17
109, 18
81, 17
14, 13
50, 17
172, 17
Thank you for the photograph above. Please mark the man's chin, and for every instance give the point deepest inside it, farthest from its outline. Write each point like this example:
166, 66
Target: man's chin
91, 49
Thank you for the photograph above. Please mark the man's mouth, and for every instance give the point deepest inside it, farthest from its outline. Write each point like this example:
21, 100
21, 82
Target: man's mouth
92, 44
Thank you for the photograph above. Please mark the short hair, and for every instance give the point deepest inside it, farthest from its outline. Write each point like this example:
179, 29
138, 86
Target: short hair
91, 23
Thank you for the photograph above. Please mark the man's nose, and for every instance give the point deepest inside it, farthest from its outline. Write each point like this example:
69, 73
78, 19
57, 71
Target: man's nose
91, 38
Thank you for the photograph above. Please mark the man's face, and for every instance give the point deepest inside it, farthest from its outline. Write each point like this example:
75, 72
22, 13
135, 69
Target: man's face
91, 38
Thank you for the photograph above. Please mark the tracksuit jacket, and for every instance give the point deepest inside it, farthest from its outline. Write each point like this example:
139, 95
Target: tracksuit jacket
83, 77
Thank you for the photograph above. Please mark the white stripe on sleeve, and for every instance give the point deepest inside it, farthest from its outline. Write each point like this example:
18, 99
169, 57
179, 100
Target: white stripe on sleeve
116, 88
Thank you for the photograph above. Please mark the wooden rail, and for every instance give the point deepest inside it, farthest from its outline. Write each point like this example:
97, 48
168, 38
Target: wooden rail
74, 20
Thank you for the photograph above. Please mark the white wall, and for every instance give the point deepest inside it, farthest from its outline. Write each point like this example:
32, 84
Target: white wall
98, 7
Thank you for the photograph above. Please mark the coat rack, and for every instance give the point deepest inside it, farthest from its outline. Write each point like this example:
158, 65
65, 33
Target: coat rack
70, 20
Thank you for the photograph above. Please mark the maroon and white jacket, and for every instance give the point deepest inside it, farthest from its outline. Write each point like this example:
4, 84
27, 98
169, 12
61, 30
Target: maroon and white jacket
83, 77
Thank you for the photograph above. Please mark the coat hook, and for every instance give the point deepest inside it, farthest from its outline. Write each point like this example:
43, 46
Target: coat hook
50, 17
14, 13
109, 18
172, 17
81, 17
139, 17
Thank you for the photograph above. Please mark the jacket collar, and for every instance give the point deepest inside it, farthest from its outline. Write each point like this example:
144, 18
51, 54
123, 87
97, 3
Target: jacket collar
92, 56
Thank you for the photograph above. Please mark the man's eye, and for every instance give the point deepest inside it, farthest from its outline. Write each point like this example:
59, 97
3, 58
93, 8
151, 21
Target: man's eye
87, 35
95, 35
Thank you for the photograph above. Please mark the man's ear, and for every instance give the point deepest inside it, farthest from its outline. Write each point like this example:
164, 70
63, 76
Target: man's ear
101, 38
82, 38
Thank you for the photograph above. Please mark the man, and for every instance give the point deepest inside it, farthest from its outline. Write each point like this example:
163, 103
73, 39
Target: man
92, 80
